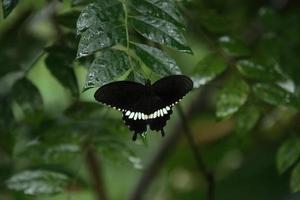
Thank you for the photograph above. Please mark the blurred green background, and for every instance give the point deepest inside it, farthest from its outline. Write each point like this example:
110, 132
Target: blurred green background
47, 123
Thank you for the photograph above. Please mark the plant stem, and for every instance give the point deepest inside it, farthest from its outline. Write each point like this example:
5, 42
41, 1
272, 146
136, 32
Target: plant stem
126, 23
95, 171
209, 177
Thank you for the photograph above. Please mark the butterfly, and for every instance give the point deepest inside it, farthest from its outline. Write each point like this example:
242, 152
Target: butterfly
145, 105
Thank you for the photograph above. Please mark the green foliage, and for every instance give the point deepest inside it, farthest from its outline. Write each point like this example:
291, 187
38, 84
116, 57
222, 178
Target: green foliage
232, 97
108, 24
249, 50
8, 6
208, 69
288, 154
38, 182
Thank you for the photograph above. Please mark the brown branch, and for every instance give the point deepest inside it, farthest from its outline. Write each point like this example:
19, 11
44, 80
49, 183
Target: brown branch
95, 170
209, 176
165, 149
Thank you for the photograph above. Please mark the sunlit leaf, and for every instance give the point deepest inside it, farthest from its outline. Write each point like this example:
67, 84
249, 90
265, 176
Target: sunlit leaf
257, 71
273, 94
100, 37
164, 9
38, 182
8, 6
233, 47
232, 97
207, 69
160, 31
157, 60
106, 68
246, 119
288, 154
96, 14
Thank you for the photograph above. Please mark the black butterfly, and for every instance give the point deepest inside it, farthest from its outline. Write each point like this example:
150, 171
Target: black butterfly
149, 104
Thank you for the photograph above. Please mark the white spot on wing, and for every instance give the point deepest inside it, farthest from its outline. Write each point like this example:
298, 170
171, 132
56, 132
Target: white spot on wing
155, 114
161, 112
168, 108
131, 115
135, 116
127, 113
165, 111
140, 115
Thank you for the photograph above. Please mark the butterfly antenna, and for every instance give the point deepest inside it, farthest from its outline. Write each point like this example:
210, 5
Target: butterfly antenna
162, 132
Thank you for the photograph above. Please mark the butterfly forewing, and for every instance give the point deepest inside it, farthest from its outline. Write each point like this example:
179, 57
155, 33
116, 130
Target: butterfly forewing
123, 95
172, 89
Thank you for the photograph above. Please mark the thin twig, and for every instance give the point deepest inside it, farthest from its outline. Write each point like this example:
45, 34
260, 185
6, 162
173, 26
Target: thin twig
95, 170
209, 176
198, 105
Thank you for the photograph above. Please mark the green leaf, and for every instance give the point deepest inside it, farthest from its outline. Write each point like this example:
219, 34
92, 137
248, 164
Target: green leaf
246, 119
232, 97
163, 9
215, 22
257, 71
68, 19
160, 31
156, 60
100, 37
100, 13
106, 68
8, 6
27, 96
208, 69
233, 47
81, 2
136, 76
60, 63
295, 179
288, 154
273, 94
38, 182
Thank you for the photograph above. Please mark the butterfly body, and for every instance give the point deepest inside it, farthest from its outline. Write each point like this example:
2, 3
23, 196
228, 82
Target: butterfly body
145, 105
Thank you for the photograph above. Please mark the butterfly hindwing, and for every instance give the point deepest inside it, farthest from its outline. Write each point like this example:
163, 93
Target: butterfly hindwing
123, 95
172, 89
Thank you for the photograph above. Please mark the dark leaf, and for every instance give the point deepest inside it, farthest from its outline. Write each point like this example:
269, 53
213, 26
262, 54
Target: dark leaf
81, 2
69, 19
111, 65
163, 9
288, 154
156, 60
295, 179
215, 22
232, 97
207, 69
60, 63
273, 94
8, 6
27, 96
38, 182
257, 71
136, 76
160, 31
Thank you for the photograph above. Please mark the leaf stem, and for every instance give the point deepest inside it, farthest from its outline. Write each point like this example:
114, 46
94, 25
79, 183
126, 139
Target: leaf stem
124, 3
208, 175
